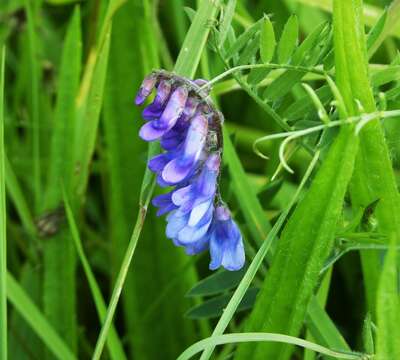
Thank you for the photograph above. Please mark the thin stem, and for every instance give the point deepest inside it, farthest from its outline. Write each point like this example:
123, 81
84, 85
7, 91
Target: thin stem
262, 66
258, 337
362, 120
119, 283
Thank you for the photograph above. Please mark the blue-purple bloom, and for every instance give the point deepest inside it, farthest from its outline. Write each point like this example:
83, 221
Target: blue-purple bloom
189, 130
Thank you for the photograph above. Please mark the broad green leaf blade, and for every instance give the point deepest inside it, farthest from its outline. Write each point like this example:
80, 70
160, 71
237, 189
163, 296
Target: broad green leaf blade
289, 40
322, 328
3, 219
305, 244
59, 291
114, 344
267, 41
29, 311
88, 120
388, 309
189, 56
373, 178
65, 114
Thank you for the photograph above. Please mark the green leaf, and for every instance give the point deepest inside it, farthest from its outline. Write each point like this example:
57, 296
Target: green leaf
302, 56
305, 244
323, 328
304, 104
373, 178
214, 307
3, 217
242, 40
59, 289
65, 113
217, 283
267, 41
189, 57
376, 32
114, 344
229, 11
388, 309
88, 120
368, 336
289, 40
34, 72
269, 190
36, 320
384, 76
250, 51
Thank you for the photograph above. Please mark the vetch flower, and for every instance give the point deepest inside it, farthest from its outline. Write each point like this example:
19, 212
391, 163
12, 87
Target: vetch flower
188, 127
226, 245
156, 128
145, 89
180, 167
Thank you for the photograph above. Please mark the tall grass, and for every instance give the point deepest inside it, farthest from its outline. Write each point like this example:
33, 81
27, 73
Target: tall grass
85, 265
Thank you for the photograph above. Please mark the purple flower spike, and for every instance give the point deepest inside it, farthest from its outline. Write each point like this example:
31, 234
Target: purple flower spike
145, 89
226, 244
188, 126
177, 169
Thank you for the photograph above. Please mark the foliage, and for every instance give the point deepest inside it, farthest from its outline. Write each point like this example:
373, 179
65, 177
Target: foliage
84, 261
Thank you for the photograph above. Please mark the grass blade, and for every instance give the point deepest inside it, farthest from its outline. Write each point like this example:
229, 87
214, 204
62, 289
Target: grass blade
3, 219
29, 311
60, 284
388, 309
114, 345
373, 177
34, 101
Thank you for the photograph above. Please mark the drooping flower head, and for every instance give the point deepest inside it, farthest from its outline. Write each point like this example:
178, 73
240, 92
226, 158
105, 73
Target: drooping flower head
188, 127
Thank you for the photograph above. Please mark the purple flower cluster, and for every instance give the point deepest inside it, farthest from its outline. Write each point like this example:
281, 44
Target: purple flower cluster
188, 127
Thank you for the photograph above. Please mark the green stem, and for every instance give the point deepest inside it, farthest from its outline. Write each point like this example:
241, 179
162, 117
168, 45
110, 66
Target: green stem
271, 337
235, 69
